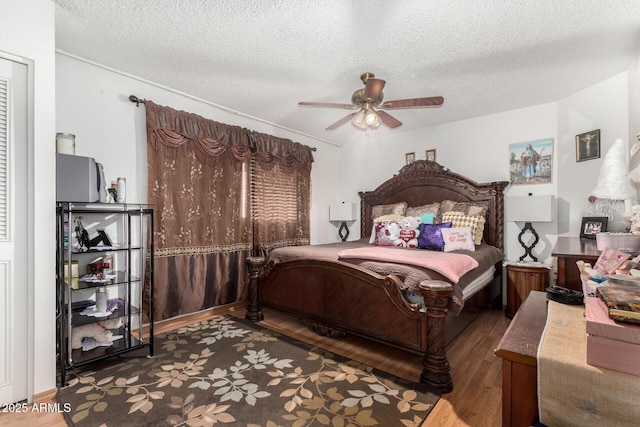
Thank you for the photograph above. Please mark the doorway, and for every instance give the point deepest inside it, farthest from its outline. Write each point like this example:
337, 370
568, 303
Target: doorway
14, 286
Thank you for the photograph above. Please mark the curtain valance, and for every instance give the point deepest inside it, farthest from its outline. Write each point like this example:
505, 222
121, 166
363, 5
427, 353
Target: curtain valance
269, 148
167, 121
174, 128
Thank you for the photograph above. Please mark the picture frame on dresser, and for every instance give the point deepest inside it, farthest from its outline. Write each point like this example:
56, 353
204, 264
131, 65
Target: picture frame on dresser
592, 225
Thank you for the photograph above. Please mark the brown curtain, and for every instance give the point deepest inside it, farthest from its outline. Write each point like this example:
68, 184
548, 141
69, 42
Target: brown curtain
281, 193
198, 178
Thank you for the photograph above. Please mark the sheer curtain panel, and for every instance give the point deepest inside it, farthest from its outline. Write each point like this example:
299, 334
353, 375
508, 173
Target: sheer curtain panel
281, 193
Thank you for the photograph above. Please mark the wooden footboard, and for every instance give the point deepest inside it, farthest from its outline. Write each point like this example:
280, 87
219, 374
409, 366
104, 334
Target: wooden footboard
344, 297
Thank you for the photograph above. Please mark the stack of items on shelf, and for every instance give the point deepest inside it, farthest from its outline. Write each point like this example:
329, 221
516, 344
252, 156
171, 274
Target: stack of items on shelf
613, 266
612, 300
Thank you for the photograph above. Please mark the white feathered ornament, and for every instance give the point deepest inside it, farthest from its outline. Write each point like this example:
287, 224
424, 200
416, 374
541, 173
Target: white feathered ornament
614, 194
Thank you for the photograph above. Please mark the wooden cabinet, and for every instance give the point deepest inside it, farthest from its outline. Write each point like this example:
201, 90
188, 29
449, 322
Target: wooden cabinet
568, 250
521, 280
518, 350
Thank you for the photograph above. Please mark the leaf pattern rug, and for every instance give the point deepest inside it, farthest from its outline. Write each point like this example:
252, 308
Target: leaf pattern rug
230, 372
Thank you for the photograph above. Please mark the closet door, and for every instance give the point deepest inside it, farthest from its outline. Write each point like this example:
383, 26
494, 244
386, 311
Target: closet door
13, 231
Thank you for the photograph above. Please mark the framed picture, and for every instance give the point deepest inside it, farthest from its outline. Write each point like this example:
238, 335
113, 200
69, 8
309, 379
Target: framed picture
588, 146
530, 162
410, 157
592, 225
431, 155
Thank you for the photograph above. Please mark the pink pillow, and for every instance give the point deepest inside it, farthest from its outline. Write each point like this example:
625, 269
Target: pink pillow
458, 239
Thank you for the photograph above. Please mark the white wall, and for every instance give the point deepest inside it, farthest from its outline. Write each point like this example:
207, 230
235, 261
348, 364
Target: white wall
93, 103
602, 106
27, 31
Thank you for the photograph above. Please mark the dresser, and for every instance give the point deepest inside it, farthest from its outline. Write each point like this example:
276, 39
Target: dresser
518, 350
568, 250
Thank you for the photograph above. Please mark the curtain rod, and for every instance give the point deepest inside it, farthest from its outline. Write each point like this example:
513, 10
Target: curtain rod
139, 101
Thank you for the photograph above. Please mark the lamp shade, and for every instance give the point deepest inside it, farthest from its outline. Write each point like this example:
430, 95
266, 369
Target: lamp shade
531, 208
342, 212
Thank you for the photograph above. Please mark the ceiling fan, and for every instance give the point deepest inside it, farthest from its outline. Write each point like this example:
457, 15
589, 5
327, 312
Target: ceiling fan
368, 102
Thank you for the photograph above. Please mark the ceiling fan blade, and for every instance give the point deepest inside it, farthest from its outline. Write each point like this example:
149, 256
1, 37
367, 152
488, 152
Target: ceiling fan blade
388, 119
340, 122
432, 101
373, 88
328, 105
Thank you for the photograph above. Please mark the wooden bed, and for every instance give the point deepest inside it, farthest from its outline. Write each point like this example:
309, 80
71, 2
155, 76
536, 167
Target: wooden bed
333, 296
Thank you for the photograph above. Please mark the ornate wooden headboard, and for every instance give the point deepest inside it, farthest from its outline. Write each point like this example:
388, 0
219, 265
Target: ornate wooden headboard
423, 182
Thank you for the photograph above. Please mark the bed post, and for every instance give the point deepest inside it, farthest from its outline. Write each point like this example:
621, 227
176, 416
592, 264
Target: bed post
435, 365
254, 310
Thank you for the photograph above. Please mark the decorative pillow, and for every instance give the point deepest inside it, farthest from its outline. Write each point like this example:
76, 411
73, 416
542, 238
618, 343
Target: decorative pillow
458, 239
433, 208
467, 208
390, 217
386, 233
395, 208
476, 223
431, 236
426, 218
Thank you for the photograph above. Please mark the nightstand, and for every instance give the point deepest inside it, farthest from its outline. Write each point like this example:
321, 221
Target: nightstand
522, 279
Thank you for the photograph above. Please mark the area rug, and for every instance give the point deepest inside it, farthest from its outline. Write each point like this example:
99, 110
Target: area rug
228, 371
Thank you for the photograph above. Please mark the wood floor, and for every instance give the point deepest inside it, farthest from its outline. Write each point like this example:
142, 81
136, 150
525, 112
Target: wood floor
476, 371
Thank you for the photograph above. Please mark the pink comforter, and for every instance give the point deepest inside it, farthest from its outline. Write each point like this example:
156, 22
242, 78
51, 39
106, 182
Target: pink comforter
451, 265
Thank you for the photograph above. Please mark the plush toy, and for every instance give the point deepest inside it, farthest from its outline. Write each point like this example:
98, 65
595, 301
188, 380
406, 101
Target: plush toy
99, 331
409, 232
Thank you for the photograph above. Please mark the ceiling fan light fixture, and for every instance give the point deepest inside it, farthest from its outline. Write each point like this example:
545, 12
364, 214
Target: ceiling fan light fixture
372, 119
359, 120
366, 118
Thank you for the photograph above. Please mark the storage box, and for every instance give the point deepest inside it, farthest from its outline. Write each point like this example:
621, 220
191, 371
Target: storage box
600, 324
610, 344
624, 242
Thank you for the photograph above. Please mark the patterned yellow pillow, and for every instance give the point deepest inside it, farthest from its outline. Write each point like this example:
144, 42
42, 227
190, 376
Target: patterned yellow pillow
475, 222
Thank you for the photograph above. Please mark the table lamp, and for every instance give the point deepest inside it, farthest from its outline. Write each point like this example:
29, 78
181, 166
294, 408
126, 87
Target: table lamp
342, 212
530, 209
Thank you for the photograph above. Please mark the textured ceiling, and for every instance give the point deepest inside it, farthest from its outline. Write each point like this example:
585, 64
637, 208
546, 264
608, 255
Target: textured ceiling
261, 57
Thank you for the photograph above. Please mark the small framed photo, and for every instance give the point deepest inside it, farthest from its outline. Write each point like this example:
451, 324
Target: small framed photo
588, 146
410, 157
431, 155
592, 225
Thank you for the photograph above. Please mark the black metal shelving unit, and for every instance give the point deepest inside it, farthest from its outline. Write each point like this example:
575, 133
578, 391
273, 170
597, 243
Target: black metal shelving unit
130, 229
